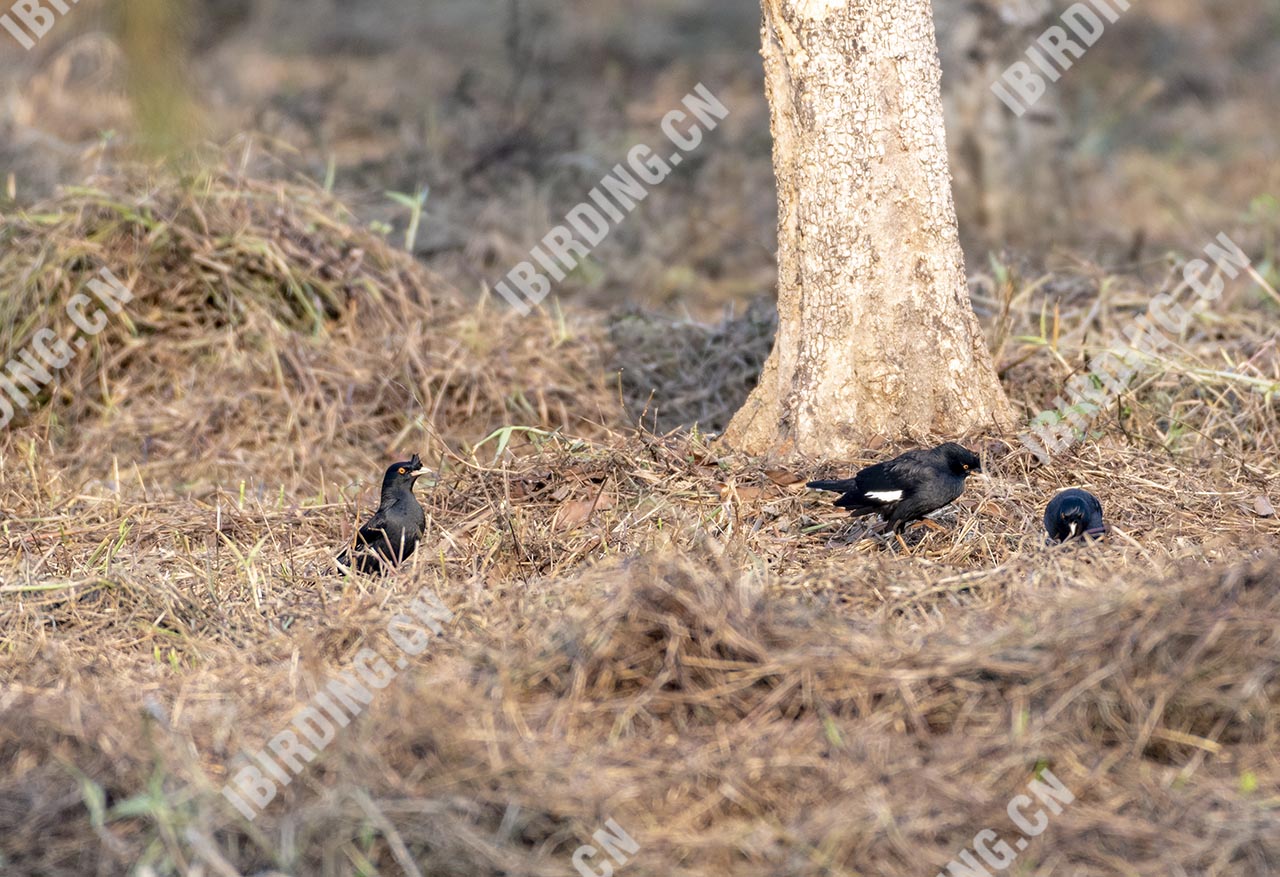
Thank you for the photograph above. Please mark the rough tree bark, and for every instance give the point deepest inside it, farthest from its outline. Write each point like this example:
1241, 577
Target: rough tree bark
876, 335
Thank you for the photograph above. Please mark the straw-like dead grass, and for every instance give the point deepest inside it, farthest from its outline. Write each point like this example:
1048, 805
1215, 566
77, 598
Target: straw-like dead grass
726, 730
648, 627
262, 318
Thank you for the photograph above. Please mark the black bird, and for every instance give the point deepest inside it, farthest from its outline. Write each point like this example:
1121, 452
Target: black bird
1074, 514
392, 534
908, 487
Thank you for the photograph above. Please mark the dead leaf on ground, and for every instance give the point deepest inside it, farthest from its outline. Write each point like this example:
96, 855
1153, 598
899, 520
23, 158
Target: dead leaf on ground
743, 494
782, 477
992, 509
577, 512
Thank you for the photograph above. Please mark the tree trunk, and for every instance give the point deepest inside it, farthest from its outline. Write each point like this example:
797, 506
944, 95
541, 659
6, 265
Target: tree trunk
876, 334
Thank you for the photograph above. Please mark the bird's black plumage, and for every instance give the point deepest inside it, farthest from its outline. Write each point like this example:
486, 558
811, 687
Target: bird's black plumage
392, 534
909, 486
1074, 514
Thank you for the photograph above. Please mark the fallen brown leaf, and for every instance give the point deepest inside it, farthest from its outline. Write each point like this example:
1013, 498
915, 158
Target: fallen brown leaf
577, 512
744, 494
782, 477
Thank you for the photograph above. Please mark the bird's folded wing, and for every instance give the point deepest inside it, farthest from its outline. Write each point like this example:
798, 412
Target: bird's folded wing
374, 530
909, 471
886, 479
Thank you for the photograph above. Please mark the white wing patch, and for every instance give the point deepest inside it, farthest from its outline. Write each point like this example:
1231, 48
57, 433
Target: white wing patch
1074, 526
884, 495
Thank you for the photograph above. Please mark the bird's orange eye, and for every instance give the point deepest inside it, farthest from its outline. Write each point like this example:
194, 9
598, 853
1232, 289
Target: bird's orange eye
402, 469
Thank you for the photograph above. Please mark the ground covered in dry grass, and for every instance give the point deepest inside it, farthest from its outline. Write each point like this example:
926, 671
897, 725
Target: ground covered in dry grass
646, 627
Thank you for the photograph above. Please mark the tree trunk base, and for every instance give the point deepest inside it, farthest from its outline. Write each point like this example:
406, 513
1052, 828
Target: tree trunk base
876, 333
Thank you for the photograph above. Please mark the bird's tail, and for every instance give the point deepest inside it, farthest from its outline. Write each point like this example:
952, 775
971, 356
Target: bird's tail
835, 486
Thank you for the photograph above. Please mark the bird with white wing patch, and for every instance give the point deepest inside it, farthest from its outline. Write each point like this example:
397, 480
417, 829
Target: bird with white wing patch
909, 486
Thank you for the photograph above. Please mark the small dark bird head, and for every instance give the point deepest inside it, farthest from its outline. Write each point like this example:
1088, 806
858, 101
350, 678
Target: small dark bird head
959, 459
400, 476
1074, 514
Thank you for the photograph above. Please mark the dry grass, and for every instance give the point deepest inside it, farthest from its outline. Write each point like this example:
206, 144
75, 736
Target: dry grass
262, 318
648, 627
705, 372
726, 728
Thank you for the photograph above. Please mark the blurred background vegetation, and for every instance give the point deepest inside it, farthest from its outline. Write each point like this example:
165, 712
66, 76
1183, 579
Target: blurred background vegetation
499, 116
